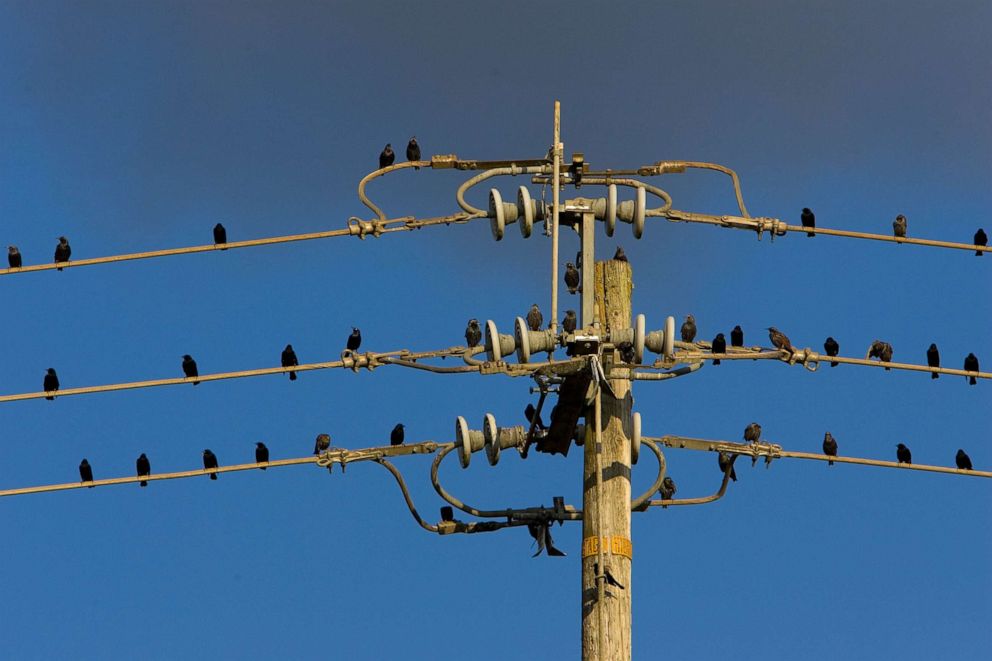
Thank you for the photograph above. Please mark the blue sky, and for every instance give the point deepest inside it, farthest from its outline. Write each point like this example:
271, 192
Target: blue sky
135, 126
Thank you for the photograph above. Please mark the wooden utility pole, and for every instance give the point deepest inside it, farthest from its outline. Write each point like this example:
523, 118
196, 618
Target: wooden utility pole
606, 614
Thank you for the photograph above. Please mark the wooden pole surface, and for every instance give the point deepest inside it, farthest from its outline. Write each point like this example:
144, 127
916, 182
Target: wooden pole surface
606, 620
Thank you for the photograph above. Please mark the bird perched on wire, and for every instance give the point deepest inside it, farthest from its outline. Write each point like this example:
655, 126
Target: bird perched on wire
413, 151
261, 454
831, 347
144, 468
899, 226
473, 333
903, 454
354, 340
737, 337
529, 413
289, 360
62, 251
667, 489
881, 350
962, 460
14, 257
933, 360
719, 345
688, 330
51, 382
627, 353
620, 255
752, 433
322, 443
981, 239
568, 324
571, 277
534, 318
396, 436
541, 532
971, 365
726, 462
86, 471
220, 235
210, 461
387, 157
829, 447
189, 368
780, 340
808, 219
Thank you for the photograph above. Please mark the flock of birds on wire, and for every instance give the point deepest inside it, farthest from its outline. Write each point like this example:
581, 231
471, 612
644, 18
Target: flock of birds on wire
899, 228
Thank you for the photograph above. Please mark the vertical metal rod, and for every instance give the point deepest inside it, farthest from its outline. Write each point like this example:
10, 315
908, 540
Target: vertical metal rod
588, 269
555, 196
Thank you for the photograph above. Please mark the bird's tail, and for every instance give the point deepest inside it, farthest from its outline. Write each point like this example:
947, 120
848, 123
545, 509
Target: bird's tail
973, 381
292, 376
716, 361
810, 234
978, 253
733, 474
213, 476
830, 463
51, 399
834, 364
262, 467
144, 484
934, 375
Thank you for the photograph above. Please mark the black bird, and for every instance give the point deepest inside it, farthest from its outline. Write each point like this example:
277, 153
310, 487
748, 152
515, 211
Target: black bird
189, 368
144, 468
971, 365
473, 334
881, 350
387, 157
396, 436
14, 257
62, 251
903, 454
933, 360
578, 259
981, 239
608, 576
737, 337
220, 235
322, 443
570, 321
620, 255
541, 532
808, 220
829, 447
261, 454
780, 340
86, 472
289, 360
719, 346
899, 226
210, 461
354, 340
752, 433
534, 318
627, 353
447, 513
961, 459
688, 329
529, 413
413, 151
667, 490
51, 383
886, 356
832, 348
726, 462
571, 277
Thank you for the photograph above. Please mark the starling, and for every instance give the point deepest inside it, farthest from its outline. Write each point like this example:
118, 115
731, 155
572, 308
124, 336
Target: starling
13, 257
289, 360
189, 368
667, 489
689, 328
62, 251
779, 339
541, 532
86, 472
881, 350
832, 348
354, 340
571, 277
752, 433
981, 239
726, 462
473, 334
534, 318
396, 436
144, 468
808, 220
220, 235
971, 365
933, 360
737, 337
261, 454
961, 459
51, 383
627, 353
387, 157
413, 151
899, 226
529, 413
620, 255
886, 355
829, 447
569, 322
210, 461
719, 346
903, 454
608, 576
322, 443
